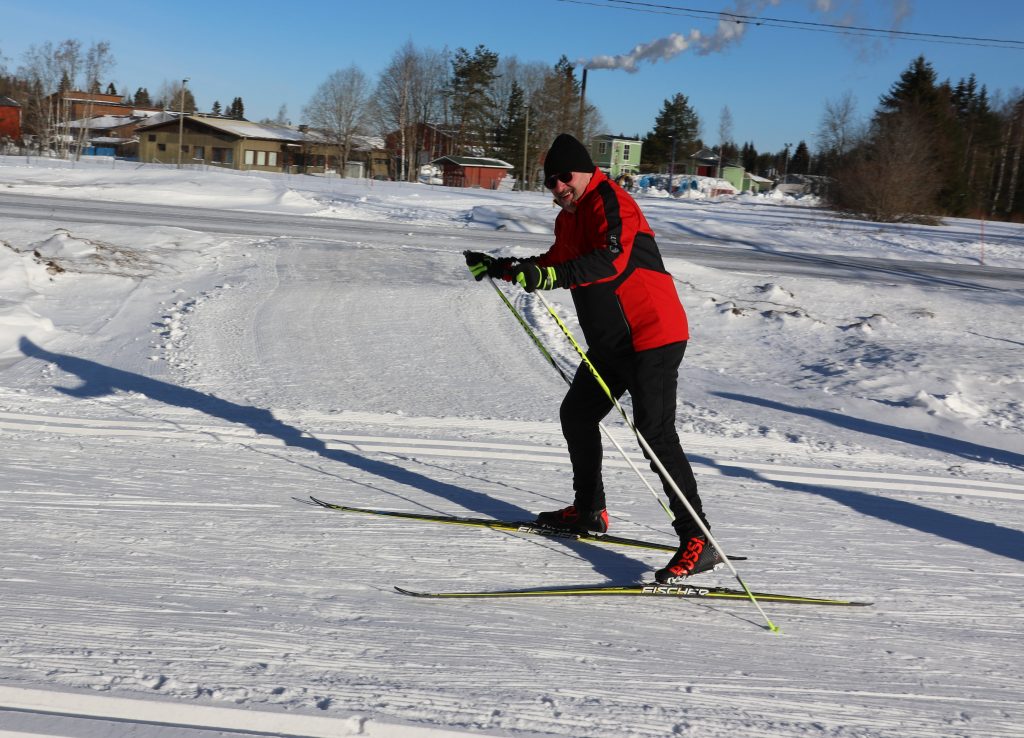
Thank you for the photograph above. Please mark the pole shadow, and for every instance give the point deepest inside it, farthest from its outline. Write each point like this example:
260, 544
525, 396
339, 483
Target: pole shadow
997, 539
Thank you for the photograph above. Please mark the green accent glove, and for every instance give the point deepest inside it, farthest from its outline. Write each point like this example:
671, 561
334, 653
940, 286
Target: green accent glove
483, 265
532, 277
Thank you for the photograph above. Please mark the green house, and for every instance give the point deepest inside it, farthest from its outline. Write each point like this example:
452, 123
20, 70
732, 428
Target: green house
615, 155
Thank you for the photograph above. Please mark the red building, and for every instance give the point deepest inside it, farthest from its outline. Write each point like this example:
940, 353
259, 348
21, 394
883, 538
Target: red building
10, 118
472, 171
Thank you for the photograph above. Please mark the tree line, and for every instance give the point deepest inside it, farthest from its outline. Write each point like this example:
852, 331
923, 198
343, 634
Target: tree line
930, 148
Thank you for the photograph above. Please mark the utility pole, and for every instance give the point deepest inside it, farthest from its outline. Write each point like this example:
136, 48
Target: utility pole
526, 141
181, 121
672, 165
583, 108
785, 166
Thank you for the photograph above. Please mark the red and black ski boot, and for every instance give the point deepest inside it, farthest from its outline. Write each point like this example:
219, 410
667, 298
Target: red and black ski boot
694, 556
576, 520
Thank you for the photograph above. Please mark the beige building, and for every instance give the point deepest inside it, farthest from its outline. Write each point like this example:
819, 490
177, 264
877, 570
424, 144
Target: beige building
241, 144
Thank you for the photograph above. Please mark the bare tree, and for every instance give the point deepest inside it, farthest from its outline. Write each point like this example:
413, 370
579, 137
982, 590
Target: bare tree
338, 109
98, 62
407, 98
724, 135
893, 177
426, 101
47, 69
839, 129
393, 103
169, 97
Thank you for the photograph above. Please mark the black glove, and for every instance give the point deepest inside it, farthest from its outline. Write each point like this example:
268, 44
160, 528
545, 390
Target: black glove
482, 265
532, 277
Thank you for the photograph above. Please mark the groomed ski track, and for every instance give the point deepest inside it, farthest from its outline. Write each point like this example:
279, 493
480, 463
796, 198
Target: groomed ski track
153, 551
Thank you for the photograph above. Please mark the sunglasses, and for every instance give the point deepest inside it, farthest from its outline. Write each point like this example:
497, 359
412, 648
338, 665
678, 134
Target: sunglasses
564, 178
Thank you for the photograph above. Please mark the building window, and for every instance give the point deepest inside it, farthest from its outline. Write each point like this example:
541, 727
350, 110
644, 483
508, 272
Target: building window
221, 155
152, 137
260, 158
602, 148
625, 152
199, 152
161, 147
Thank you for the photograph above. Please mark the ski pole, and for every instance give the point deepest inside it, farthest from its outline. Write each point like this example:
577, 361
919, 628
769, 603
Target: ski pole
551, 360
655, 460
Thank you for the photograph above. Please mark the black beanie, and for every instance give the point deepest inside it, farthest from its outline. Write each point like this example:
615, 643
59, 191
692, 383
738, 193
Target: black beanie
567, 155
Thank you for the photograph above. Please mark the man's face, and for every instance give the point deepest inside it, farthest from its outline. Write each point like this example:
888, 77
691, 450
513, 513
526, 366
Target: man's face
567, 194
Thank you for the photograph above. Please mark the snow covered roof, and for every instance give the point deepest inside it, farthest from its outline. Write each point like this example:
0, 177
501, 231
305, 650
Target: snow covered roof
475, 161
705, 155
9, 102
246, 129
102, 122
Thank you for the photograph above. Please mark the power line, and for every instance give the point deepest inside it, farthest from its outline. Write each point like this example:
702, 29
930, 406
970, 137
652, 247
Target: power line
636, 6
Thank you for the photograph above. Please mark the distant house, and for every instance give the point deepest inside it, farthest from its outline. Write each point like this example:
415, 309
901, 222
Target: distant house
421, 144
616, 156
736, 175
226, 142
803, 184
75, 104
267, 147
10, 119
113, 135
759, 184
704, 163
472, 171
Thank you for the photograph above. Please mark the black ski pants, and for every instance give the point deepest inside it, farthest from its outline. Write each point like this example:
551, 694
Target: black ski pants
650, 377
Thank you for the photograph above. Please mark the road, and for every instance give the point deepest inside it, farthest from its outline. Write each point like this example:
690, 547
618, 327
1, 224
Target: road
707, 252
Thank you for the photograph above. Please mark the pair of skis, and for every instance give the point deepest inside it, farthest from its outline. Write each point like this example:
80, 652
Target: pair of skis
636, 590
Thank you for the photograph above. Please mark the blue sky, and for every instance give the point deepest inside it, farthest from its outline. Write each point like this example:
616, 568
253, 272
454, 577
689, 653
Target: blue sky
774, 81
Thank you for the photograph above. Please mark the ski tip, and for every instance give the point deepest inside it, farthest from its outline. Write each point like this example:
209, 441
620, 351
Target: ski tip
410, 592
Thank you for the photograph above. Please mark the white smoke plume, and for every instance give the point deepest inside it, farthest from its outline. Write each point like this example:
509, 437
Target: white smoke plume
727, 32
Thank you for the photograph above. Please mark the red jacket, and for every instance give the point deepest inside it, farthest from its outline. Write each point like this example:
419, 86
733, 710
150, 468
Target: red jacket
606, 254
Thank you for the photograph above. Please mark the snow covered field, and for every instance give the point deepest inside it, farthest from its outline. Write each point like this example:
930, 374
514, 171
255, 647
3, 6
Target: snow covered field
172, 378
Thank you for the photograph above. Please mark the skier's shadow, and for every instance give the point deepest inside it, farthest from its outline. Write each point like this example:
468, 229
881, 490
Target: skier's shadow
99, 380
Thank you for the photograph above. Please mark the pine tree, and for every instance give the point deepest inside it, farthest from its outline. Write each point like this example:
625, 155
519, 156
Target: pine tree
916, 91
801, 161
508, 143
216, 109
142, 98
236, 109
111, 90
748, 157
472, 75
677, 124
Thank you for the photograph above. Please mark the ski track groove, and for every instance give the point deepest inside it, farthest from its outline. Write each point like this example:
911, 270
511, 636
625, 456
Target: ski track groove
58, 426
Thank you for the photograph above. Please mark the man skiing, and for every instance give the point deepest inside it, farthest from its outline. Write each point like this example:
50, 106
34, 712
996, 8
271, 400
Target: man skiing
636, 331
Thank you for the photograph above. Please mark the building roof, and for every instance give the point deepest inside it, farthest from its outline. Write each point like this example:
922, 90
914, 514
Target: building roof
9, 102
705, 155
248, 129
103, 122
475, 161
610, 137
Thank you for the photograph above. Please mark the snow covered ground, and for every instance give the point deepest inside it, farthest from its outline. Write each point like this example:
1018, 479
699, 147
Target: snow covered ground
168, 389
